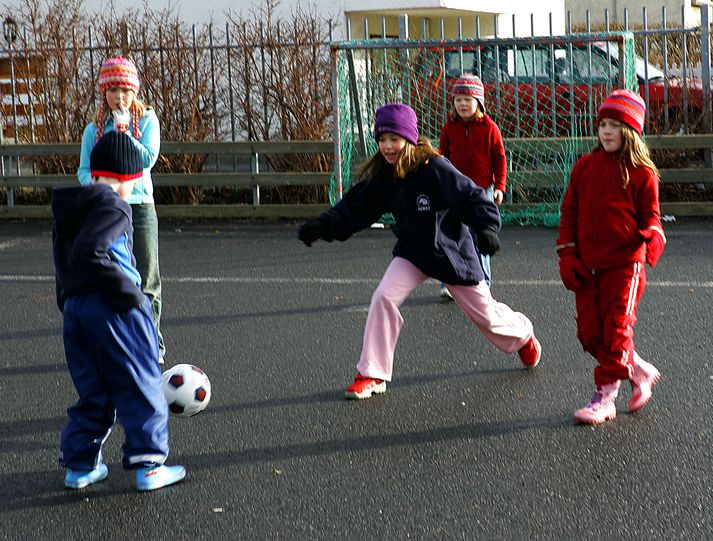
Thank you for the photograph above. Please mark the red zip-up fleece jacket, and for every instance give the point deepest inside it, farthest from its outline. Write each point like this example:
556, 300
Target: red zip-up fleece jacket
601, 218
476, 149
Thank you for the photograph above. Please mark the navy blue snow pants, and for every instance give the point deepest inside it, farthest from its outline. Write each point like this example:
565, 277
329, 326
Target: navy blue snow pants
113, 361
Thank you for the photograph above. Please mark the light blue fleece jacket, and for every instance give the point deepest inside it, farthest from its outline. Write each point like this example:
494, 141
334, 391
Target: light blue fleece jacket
148, 145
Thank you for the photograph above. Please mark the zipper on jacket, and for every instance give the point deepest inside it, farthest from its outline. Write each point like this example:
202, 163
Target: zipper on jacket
468, 153
612, 164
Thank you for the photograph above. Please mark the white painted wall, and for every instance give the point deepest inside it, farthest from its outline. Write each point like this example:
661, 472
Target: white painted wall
435, 19
691, 11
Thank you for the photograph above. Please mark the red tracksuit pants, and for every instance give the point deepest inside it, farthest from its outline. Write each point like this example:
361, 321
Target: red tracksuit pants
606, 314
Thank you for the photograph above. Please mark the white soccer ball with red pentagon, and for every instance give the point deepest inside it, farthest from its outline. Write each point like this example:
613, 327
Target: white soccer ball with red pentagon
187, 390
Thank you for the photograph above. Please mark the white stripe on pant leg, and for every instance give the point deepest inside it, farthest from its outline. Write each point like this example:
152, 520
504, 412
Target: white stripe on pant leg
633, 289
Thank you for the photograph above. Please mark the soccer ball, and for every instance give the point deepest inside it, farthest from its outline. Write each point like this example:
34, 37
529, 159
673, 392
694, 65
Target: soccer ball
187, 390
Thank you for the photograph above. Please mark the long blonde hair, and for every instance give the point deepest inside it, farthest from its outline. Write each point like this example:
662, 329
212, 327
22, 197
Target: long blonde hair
633, 151
137, 111
409, 159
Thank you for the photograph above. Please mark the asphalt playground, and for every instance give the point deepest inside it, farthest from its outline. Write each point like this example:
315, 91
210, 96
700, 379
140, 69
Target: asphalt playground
465, 444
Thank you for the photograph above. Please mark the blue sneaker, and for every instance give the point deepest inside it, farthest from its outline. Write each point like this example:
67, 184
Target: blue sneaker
158, 477
83, 478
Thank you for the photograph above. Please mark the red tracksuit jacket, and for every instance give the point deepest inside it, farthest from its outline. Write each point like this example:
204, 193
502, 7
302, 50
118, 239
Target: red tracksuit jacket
601, 218
476, 149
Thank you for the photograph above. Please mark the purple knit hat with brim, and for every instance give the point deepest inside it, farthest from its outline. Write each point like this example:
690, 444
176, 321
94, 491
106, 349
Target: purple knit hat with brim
625, 106
396, 118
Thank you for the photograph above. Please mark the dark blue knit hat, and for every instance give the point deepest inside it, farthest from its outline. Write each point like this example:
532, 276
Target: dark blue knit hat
116, 156
396, 118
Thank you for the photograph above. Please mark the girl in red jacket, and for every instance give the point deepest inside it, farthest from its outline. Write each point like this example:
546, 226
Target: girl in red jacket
472, 142
610, 225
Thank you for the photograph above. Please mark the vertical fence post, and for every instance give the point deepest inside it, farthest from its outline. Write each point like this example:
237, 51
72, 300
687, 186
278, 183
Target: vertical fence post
2, 162
647, 95
254, 158
336, 121
684, 71
255, 170
10, 33
231, 100
404, 35
664, 59
30, 94
214, 99
705, 6
553, 82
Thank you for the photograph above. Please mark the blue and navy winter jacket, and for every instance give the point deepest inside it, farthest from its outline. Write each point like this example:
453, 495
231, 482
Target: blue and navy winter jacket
433, 206
92, 245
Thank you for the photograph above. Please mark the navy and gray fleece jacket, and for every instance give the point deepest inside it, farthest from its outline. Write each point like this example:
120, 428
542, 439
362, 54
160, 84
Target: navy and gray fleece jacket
433, 206
92, 245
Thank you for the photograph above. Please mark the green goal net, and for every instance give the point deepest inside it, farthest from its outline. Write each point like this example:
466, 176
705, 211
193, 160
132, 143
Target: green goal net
543, 92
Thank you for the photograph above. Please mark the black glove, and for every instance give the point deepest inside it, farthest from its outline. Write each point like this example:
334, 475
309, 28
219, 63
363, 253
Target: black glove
310, 232
488, 242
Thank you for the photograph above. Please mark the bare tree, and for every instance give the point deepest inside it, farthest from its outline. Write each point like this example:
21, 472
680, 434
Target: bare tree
256, 79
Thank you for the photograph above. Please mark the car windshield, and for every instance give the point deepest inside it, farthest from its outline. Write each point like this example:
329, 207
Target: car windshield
642, 68
563, 64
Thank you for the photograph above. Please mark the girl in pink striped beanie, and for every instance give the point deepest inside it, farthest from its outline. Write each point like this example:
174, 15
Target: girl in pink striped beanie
119, 83
120, 110
609, 227
472, 141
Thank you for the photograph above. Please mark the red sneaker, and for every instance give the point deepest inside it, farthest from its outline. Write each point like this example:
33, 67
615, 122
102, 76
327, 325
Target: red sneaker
530, 353
364, 387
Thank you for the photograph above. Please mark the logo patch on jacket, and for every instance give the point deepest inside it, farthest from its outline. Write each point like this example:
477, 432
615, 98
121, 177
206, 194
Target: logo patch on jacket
423, 203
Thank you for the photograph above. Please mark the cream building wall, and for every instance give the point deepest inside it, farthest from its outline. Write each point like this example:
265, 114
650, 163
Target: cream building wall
433, 19
676, 11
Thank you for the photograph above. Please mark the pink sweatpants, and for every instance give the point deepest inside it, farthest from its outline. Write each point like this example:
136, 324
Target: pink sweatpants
505, 329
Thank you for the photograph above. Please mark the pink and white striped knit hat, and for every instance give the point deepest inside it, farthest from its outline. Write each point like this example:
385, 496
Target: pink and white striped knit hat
470, 85
118, 72
625, 106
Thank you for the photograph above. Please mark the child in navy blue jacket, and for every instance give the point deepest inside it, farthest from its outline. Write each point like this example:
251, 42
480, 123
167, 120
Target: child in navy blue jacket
110, 342
434, 205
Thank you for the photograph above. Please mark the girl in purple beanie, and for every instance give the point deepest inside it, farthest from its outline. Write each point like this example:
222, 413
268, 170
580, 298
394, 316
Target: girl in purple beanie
436, 208
610, 226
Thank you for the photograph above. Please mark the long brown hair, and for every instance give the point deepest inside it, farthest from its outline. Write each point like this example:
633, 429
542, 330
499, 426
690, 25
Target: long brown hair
633, 151
410, 158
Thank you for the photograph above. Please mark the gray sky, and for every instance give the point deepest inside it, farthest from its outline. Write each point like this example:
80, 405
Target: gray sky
191, 11
201, 11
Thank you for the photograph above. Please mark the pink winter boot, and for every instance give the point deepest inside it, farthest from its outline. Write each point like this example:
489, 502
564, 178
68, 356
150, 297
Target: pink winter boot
644, 377
602, 407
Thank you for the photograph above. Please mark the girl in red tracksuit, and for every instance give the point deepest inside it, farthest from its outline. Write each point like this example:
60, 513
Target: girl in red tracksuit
473, 143
610, 225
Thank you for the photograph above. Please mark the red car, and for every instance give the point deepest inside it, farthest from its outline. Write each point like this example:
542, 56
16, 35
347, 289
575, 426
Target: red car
550, 90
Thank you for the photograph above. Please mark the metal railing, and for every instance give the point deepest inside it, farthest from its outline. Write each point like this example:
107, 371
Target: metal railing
248, 180
697, 176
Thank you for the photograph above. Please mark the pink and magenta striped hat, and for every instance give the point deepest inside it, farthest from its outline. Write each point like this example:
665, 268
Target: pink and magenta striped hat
625, 106
118, 72
470, 85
